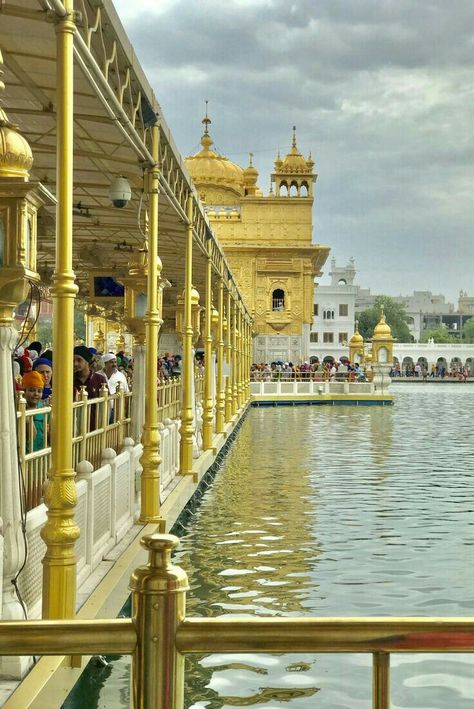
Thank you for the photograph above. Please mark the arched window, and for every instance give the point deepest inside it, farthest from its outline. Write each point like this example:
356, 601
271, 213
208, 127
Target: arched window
293, 190
278, 300
304, 189
283, 190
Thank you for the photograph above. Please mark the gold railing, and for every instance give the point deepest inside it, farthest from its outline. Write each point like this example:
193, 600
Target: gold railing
99, 423
159, 635
199, 386
169, 398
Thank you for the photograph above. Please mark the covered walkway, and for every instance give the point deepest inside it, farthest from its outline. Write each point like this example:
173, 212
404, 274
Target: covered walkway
79, 125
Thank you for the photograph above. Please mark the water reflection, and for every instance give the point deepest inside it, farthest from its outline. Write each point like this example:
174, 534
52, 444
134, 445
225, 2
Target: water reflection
337, 511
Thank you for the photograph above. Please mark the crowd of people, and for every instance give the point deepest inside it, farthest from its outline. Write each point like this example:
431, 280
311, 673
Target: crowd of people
437, 371
314, 370
33, 376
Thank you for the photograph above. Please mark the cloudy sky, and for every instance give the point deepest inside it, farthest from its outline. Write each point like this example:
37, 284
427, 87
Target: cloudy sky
381, 92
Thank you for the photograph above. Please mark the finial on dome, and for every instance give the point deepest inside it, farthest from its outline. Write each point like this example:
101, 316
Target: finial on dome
206, 140
293, 145
206, 120
250, 159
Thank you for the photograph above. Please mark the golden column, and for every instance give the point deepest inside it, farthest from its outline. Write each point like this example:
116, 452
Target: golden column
60, 531
150, 460
240, 356
207, 416
220, 391
247, 357
228, 350
187, 417
235, 335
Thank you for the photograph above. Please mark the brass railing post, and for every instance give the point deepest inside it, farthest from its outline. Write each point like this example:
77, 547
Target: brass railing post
381, 680
150, 507
60, 531
159, 606
220, 391
207, 416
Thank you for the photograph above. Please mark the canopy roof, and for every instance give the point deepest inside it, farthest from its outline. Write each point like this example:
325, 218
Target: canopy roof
114, 107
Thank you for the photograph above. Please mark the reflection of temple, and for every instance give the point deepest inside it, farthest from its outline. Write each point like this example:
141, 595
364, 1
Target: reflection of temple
267, 240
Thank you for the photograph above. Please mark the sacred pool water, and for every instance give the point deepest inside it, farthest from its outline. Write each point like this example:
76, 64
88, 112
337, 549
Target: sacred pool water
329, 511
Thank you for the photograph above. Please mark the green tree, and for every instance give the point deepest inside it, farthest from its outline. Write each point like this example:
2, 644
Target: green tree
468, 330
438, 334
395, 315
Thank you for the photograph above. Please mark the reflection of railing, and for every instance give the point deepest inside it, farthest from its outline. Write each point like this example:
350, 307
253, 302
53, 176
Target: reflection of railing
159, 635
97, 424
169, 398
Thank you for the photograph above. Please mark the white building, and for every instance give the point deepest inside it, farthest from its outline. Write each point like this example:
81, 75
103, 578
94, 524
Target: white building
334, 312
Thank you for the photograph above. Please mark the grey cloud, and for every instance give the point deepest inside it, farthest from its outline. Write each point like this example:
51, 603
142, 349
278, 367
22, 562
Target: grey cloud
380, 91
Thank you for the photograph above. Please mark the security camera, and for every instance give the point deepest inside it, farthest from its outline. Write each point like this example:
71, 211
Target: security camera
120, 192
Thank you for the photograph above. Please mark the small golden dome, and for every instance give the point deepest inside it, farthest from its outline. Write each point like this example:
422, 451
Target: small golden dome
209, 168
356, 338
294, 162
382, 330
16, 157
194, 296
250, 173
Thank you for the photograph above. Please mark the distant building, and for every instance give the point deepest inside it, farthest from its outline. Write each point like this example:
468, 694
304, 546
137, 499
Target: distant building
336, 307
334, 312
424, 309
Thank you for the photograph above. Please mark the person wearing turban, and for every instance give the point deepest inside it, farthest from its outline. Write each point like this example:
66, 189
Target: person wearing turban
33, 385
85, 377
44, 367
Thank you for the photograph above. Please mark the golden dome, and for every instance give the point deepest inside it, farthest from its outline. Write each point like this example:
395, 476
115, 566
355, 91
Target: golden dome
16, 157
294, 162
382, 330
250, 173
209, 169
356, 338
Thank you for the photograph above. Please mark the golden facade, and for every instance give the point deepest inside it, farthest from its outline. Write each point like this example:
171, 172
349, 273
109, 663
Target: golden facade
267, 240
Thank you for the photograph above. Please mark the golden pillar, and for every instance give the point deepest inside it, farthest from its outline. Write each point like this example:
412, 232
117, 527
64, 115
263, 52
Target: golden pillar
247, 356
240, 357
187, 417
207, 416
220, 391
228, 351
150, 460
235, 334
60, 531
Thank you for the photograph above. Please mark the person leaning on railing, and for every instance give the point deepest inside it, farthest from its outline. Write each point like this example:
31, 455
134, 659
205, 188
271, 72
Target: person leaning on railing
33, 385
